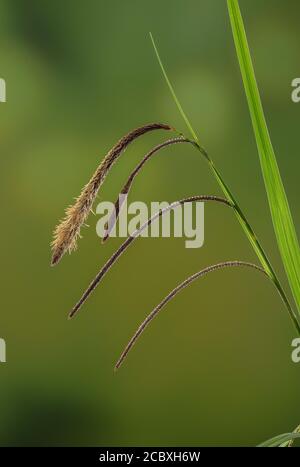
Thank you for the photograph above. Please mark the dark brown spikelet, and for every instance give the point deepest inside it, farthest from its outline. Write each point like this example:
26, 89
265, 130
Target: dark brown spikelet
126, 188
68, 231
174, 292
129, 240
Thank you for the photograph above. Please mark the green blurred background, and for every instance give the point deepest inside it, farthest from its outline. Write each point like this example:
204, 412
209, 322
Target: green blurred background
215, 367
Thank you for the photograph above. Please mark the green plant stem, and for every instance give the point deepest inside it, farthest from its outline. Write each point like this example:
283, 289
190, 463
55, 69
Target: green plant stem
239, 213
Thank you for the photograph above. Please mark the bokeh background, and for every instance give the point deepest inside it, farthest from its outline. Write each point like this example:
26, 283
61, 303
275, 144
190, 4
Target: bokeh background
215, 367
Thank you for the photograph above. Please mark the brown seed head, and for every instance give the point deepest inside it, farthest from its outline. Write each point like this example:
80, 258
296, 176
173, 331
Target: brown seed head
68, 231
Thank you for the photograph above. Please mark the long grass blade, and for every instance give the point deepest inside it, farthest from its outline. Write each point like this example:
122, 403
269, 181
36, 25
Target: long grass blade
279, 440
281, 215
185, 118
289, 444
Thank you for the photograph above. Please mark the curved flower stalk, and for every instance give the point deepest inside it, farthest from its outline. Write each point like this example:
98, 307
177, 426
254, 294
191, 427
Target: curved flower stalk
126, 188
174, 292
130, 239
68, 230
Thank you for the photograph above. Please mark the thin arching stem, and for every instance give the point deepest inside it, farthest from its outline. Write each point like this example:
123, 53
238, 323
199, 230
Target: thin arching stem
130, 239
126, 188
173, 293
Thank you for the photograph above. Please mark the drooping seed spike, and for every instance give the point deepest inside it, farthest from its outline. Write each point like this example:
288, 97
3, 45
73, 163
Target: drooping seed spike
67, 232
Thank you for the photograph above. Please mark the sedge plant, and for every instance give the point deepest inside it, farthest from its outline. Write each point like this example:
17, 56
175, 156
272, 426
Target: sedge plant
68, 230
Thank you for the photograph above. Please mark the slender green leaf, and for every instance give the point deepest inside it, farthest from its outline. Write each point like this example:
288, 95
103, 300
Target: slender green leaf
289, 444
279, 207
186, 120
279, 440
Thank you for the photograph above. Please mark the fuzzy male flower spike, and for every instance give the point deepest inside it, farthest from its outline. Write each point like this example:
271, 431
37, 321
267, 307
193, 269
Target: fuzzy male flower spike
68, 230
